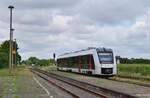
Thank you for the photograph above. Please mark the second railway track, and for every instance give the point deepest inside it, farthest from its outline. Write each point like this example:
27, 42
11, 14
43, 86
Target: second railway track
90, 89
76, 91
114, 79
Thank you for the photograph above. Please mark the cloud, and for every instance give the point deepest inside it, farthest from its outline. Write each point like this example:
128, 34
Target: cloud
60, 23
45, 27
114, 11
34, 4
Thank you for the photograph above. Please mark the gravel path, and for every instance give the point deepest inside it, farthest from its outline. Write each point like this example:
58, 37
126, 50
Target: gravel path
143, 92
1, 87
29, 87
20, 87
23, 87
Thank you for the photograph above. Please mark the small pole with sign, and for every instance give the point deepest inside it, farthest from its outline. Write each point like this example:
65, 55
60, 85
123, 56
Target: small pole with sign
54, 56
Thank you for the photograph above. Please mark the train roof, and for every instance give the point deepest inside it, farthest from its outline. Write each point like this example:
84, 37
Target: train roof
101, 49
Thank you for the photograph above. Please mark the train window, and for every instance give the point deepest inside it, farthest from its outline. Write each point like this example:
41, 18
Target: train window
105, 57
74, 62
84, 61
59, 62
87, 61
71, 61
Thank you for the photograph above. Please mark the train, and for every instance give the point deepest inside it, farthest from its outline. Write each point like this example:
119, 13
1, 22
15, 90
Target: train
94, 61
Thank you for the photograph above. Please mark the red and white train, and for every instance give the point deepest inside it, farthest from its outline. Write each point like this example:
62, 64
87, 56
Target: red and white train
96, 61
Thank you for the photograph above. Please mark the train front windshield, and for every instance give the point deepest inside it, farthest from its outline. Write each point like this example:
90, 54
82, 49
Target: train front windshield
106, 58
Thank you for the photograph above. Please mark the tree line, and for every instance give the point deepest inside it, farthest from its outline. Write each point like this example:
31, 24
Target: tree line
46, 62
134, 61
4, 54
38, 62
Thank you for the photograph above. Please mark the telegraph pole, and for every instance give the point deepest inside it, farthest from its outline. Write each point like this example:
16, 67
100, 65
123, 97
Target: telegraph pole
10, 41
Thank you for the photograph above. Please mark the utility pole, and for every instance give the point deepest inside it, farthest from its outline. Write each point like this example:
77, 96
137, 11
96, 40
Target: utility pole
10, 41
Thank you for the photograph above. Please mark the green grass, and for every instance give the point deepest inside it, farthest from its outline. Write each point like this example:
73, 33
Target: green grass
142, 70
15, 96
49, 68
19, 71
4, 72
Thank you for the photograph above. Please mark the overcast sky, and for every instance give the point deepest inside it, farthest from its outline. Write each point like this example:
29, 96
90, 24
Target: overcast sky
43, 27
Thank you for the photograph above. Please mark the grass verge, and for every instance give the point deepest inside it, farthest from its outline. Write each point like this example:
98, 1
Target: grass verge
9, 81
19, 71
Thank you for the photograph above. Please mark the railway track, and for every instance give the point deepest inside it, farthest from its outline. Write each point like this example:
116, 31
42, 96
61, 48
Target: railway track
53, 83
113, 79
96, 91
96, 95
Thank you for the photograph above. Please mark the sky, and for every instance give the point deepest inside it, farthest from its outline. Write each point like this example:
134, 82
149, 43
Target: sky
44, 27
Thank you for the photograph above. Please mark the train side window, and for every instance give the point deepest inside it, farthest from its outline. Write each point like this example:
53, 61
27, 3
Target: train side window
84, 62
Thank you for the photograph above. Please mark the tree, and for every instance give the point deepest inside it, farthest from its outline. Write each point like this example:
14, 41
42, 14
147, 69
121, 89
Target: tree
33, 60
38, 62
4, 54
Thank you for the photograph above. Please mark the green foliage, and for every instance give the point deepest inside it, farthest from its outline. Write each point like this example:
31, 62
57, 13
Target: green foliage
38, 62
3, 59
141, 69
33, 60
4, 54
134, 61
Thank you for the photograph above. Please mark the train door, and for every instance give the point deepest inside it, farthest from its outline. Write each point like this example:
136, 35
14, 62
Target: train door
79, 64
90, 64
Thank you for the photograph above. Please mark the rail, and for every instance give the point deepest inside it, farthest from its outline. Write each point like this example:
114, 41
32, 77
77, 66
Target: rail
96, 90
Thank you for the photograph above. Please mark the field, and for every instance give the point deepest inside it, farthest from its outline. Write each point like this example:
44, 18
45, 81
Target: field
134, 70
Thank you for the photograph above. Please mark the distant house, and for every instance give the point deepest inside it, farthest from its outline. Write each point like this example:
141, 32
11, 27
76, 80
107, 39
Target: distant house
118, 59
